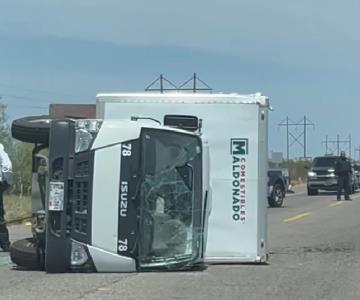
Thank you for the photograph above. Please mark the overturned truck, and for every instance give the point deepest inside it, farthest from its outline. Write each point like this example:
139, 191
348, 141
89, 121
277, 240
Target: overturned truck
130, 187
115, 195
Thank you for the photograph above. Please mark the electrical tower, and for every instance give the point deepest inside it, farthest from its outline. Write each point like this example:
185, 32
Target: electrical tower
334, 146
296, 138
194, 84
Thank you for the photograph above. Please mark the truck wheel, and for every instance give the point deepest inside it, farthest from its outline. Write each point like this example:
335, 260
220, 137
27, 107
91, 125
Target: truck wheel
312, 192
277, 196
25, 254
33, 129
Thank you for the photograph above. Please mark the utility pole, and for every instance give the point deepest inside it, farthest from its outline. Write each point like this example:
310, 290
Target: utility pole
337, 143
326, 145
290, 135
161, 80
194, 83
287, 139
197, 85
161, 83
307, 122
350, 146
357, 150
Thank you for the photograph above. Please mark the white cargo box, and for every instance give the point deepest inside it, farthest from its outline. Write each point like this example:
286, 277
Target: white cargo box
236, 127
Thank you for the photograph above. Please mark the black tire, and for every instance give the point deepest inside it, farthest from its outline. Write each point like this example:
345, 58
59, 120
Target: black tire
34, 129
312, 192
25, 254
277, 196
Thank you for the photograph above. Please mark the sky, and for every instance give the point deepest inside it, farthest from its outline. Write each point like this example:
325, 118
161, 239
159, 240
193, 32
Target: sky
304, 55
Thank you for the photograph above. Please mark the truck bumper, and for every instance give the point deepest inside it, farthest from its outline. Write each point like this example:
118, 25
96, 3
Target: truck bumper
324, 184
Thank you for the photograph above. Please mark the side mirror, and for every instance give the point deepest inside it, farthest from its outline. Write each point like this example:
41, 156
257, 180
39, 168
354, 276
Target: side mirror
190, 123
306, 167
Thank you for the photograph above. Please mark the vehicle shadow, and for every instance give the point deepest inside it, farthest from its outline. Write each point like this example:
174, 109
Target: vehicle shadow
327, 193
332, 193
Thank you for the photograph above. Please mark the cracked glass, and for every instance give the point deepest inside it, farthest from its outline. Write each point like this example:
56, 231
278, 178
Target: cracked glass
170, 219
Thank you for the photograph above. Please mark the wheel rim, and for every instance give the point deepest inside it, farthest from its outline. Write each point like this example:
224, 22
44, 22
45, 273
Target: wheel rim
278, 195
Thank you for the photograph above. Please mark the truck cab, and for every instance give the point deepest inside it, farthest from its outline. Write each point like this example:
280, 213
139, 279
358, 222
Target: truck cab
123, 196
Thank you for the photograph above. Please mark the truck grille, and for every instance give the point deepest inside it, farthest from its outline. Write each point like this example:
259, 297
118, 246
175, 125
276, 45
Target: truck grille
82, 196
322, 173
82, 169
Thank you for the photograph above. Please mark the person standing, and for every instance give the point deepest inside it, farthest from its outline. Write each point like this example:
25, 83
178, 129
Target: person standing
5, 182
343, 171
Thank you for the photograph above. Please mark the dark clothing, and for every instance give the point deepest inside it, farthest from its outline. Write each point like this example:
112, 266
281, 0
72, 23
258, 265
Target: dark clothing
342, 167
343, 171
4, 233
343, 183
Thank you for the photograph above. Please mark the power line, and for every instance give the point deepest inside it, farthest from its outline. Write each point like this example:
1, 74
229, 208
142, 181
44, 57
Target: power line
161, 80
170, 86
329, 144
300, 138
194, 80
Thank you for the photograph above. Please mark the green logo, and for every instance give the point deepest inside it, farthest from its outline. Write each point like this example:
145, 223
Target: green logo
239, 146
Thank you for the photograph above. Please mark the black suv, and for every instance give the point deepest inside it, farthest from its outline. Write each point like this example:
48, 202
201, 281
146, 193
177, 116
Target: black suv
321, 176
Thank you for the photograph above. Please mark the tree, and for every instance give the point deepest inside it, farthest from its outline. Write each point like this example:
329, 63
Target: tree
19, 153
5, 137
22, 160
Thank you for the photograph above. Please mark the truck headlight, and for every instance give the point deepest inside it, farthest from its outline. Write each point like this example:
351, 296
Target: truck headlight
79, 254
311, 174
85, 132
332, 174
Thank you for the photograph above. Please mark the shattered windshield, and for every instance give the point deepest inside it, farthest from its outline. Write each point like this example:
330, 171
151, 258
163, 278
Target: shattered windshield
170, 217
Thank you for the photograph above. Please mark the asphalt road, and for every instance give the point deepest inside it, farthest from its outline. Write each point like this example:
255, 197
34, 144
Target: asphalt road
314, 254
